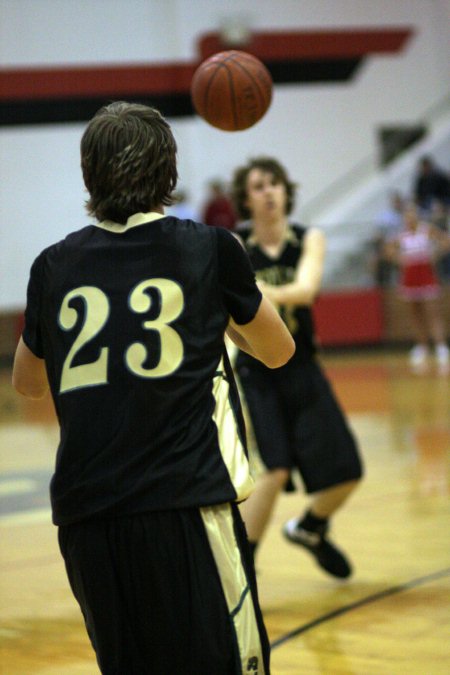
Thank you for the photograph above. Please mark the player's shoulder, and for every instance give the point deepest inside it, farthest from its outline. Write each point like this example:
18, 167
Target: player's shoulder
67, 242
187, 226
303, 232
244, 230
78, 236
188, 223
298, 229
297, 233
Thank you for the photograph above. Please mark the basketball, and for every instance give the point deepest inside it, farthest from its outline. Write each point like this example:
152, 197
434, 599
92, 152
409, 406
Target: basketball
231, 90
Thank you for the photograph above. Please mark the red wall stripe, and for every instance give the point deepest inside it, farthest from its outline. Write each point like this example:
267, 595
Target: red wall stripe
315, 44
33, 83
69, 82
349, 317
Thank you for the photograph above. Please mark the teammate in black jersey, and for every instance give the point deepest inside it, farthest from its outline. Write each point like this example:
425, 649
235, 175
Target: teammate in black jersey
296, 419
125, 322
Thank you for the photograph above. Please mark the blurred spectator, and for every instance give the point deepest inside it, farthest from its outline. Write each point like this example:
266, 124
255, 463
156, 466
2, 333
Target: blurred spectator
181, 207
440, 218
388, 225
414, 250
439, 215
430, 183
219, 210
390, 220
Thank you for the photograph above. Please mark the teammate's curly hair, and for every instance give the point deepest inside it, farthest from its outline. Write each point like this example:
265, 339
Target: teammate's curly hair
266, 164
128, 160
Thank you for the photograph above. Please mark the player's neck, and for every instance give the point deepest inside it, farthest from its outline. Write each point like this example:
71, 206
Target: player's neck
270, 231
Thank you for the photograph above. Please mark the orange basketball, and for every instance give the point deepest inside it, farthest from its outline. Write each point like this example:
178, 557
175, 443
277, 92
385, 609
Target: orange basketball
231, 90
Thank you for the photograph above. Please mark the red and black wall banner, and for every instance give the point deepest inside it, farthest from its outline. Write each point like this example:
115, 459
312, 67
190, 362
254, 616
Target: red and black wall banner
68, 94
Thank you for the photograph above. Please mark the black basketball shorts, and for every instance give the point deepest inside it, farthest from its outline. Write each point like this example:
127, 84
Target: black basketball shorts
298, 424
168, 592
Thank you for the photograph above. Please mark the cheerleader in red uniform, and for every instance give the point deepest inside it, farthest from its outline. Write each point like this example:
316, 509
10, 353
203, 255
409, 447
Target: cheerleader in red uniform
414, 250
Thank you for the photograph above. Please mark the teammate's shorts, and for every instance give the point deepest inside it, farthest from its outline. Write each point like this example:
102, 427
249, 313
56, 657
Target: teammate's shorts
298, 424
168, 592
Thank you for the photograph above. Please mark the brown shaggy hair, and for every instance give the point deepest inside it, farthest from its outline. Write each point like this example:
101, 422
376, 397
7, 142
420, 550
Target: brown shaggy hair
266, 164
128, 160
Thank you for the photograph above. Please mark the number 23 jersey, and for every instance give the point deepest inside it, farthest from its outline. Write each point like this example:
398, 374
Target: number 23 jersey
130, 321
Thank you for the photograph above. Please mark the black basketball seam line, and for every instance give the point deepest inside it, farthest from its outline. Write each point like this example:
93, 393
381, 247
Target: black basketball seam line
207, 88
233, 96
222, 64
408, 585
255, 81
235, 54
235, 57
232, 58
238, 56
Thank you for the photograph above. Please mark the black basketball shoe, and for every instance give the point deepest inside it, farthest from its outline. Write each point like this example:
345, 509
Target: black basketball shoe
327, 556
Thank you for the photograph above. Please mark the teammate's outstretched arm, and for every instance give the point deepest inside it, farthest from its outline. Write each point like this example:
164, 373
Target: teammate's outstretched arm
303, 290
266, 337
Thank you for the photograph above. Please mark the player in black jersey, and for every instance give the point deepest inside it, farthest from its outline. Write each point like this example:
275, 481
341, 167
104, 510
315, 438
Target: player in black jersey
296, 419
125, 323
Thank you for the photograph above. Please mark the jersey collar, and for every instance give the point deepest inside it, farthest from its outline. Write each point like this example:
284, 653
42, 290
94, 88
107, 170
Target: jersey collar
133, 221
288, 237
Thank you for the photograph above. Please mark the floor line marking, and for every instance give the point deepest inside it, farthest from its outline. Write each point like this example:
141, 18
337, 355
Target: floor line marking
360, 603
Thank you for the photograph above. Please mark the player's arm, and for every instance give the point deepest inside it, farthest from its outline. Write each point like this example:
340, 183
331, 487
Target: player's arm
266, 337
259, 331
29, 376
304, 288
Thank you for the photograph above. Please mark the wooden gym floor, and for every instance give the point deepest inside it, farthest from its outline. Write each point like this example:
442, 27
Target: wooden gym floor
391, 618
